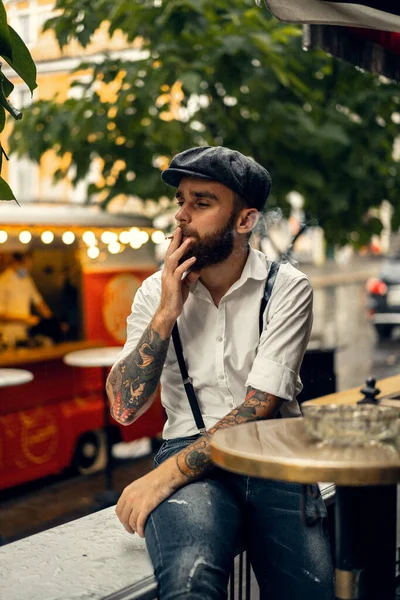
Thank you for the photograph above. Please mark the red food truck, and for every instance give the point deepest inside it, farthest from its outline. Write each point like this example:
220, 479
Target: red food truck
57, 419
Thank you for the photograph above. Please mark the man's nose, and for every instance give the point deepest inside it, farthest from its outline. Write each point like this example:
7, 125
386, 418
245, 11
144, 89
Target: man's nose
183, 215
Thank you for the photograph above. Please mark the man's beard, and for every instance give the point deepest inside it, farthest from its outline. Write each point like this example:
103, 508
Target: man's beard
213, 248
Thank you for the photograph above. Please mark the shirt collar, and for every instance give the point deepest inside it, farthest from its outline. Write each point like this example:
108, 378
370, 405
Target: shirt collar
256, 267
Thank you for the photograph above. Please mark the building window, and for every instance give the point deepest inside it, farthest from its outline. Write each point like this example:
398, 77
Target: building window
23, 177
21, 97
24, 27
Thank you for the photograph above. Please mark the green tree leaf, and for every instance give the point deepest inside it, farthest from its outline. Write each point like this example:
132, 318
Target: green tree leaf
22, 62
2, 119
5, 38
5, 191
7, 86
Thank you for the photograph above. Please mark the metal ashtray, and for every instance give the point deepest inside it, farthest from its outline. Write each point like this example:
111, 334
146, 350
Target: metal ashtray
350, 425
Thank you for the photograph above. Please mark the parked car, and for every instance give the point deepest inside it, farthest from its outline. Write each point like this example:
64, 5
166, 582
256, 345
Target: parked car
384, 297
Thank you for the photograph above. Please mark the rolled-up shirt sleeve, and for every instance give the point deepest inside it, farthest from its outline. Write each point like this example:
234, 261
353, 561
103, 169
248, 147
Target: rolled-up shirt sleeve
284, 341
144, 306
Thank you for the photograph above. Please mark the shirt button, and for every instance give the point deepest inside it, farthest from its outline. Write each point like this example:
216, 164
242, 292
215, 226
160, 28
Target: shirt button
221, 376
231, 405
219, 339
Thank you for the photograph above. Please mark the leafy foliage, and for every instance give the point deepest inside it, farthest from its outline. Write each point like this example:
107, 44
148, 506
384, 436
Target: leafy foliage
219, 73
16, 54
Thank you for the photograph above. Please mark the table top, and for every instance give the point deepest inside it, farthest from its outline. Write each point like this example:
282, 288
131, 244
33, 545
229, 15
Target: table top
280, 450
389, 385
25, 356
93, 357
10, 377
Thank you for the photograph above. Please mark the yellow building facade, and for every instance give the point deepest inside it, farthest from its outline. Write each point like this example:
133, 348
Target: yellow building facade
55, 73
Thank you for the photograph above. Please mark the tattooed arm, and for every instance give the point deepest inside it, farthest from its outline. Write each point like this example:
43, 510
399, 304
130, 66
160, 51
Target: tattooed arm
133, 381
194, 460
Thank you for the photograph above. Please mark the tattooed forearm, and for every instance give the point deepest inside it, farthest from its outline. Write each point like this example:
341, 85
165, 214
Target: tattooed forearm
194, 460
134, 379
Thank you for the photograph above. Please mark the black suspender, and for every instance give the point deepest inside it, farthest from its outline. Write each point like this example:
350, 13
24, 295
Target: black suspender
269, 286
187, 382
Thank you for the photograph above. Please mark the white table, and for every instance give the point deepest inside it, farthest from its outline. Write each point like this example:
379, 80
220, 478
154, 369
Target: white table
9, 377
93, 357
104, 358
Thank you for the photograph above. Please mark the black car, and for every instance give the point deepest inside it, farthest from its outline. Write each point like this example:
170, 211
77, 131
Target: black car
384, 297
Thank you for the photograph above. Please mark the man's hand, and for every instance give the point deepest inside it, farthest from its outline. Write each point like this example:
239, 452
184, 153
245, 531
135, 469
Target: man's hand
142, 496
174, 290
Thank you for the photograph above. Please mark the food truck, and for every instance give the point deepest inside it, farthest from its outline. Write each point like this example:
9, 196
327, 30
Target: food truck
87, 265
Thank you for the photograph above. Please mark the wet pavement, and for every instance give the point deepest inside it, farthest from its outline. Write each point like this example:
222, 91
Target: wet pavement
37, 506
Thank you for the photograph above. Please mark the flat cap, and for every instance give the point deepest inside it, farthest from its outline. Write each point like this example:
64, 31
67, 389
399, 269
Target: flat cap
240, 173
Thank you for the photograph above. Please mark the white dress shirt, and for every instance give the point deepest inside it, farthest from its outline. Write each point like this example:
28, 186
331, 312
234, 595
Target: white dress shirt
16, 298
223, 351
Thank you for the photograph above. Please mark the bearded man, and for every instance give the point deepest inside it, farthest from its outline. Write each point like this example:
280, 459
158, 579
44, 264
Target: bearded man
194, 515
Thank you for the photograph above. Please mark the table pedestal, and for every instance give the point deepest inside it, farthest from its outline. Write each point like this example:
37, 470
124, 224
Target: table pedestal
110, 496
103, 358
365, 542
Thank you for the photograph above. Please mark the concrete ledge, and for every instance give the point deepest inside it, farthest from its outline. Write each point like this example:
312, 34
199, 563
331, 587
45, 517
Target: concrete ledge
87, 559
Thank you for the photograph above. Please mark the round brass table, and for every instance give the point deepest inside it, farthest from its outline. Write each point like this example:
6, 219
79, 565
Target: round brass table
366, 494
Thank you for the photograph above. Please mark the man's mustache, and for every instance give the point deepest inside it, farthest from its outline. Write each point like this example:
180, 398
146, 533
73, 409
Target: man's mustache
193, 234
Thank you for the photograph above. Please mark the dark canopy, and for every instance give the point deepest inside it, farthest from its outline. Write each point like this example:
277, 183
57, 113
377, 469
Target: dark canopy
367, 33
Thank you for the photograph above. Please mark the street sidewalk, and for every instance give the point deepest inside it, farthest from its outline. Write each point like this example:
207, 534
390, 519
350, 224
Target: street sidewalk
358, 270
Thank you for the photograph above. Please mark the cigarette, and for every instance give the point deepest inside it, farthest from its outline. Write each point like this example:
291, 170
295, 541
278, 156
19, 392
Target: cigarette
169, 237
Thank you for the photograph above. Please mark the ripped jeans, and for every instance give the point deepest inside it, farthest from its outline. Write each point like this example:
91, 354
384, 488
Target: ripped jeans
193, 536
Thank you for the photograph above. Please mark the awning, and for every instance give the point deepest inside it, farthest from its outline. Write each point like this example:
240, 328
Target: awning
367, 34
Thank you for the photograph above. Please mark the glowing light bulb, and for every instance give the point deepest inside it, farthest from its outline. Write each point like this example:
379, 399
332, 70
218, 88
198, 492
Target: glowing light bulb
89, 238
25, 237
93, 252
157, 237
144, 237
68, 237
47, 237
114, 247
124, 237
3, 237
108, 237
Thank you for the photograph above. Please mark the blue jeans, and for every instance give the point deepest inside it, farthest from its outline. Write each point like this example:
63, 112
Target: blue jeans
193, 536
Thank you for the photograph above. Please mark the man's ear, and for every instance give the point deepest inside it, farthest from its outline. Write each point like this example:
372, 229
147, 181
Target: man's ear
248, 220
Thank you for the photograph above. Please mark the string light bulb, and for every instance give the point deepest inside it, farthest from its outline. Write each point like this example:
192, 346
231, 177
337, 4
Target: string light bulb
47, 237
124, 237
157, 237
89, 238
135, 244
25, 237
114, 247
68, 237
93, 252
144, 237
3, 237
108, 237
